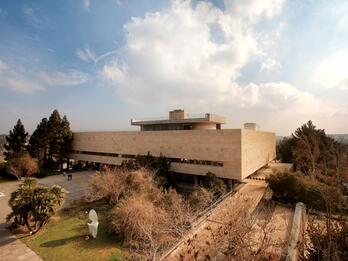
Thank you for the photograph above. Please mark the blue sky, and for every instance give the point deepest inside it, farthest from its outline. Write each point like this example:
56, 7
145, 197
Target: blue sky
275, 62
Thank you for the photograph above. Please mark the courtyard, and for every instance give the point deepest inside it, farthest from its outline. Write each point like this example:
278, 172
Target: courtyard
65, 235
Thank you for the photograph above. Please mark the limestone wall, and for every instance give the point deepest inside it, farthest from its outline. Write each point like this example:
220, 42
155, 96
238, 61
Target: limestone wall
201, 145
258, 148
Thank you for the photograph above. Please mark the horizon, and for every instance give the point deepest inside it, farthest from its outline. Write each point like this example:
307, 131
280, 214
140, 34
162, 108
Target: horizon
278, 63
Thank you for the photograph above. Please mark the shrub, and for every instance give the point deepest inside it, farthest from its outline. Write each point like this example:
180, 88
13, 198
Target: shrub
215, 185
107, 185
32, 205
294, 187
329, 241
200, 199
22, 165
112, 185
158, 165
142, 224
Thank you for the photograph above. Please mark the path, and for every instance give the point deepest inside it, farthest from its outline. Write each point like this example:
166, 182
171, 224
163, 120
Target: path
11, 248
74, 188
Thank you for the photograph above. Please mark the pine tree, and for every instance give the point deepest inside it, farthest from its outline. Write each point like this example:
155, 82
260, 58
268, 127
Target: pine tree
66, 133
38, 142
16, 140
55, 138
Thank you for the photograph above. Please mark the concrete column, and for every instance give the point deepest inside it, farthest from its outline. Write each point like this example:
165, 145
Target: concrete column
230, 183
195, 180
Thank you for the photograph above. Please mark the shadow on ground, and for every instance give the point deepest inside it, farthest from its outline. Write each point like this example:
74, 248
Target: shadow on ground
61, 242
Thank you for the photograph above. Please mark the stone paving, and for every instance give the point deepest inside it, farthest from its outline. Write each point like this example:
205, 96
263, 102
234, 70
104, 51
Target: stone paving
11, 248
74, 188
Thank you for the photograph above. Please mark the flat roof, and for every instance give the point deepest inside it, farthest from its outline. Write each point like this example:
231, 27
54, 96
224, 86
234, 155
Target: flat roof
199, 118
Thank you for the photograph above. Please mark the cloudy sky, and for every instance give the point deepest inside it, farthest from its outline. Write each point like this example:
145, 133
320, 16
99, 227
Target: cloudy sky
275, 62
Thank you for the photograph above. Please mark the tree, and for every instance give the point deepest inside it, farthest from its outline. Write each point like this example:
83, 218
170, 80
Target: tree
339, 154
307, 150
16, 140
51, 141
55, 138
285, 148
158, 165
32, 205
67, 139
38, 142
23, 165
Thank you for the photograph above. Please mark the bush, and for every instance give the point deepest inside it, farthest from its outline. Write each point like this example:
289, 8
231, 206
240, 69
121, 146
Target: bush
200, 199
22, 165
329, 241
215, 185
32, 205
294, 187
142, 224
158, 165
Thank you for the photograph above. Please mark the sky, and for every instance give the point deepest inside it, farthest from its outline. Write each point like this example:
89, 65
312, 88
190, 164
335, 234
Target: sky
278, 63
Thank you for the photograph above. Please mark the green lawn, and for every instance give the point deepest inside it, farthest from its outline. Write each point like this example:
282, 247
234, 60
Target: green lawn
63, 238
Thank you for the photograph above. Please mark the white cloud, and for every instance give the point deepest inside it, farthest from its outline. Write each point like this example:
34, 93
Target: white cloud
270, 64
27, 81
331, 72
86, 4
253, 10
194, 55
87, 55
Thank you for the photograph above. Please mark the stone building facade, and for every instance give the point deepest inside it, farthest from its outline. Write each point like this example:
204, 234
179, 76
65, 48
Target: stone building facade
193, 145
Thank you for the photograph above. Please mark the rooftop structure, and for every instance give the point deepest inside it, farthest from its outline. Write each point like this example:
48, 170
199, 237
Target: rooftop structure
180, 120
251, 126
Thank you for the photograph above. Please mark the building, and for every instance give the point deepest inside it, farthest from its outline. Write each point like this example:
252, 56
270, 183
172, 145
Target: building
195, 145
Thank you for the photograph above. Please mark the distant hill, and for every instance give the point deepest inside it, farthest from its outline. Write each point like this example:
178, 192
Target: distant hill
343, 138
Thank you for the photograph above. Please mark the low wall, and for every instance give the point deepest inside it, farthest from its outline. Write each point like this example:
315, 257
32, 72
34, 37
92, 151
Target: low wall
295, 247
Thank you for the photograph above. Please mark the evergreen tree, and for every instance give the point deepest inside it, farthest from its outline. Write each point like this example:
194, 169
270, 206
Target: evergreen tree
38, 142
55, 138
51, 141
66, 133
16, 140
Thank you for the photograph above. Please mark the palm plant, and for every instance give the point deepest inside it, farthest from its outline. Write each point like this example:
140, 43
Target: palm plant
32, 205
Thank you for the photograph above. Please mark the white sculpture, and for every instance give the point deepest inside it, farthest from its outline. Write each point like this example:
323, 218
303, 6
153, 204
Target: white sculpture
93, 226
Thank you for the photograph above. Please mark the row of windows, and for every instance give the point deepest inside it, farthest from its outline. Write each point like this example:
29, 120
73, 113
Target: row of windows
130, 156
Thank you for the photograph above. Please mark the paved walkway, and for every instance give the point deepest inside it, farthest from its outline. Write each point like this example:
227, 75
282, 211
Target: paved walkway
74, 188
11, 248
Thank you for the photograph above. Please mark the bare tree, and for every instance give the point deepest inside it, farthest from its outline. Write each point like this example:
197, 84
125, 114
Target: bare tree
22, 165
241, 236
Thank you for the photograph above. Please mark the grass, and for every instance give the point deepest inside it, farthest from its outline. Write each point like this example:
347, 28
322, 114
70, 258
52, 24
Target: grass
63, 238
